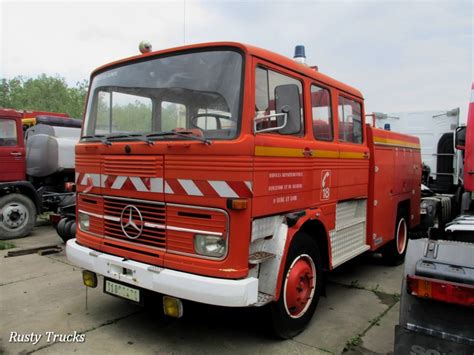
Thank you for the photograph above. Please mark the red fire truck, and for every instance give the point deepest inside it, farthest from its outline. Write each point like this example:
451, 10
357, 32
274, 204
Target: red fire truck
226, 174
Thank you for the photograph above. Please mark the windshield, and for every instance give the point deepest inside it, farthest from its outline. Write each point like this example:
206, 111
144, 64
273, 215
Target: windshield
197, 92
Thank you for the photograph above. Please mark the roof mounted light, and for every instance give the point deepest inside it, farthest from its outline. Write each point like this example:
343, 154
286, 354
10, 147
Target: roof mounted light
144, 47
300, 55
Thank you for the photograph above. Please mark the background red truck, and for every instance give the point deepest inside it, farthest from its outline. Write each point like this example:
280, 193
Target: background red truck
36, 163
236, 177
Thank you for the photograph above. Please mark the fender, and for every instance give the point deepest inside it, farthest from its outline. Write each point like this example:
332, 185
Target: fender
283, 230
310, 214
26, 188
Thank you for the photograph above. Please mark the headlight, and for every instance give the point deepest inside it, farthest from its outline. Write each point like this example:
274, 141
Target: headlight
84, 222
210, 245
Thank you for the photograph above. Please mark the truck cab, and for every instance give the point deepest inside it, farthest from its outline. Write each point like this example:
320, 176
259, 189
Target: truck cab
12, 146
226, 174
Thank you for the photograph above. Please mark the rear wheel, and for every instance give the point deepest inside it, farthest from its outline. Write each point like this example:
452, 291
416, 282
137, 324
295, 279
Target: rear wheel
301, 288
394, 252
17, 216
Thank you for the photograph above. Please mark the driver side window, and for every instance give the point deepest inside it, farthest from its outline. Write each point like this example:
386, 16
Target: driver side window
267, 83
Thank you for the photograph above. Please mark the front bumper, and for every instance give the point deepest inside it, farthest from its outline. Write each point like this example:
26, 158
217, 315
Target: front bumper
210, 290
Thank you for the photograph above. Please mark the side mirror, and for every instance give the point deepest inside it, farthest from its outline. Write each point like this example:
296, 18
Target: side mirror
287, 100
460, 137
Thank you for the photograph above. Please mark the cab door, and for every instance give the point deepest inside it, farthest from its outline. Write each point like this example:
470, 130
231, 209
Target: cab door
354, 151
12, 150
283, 178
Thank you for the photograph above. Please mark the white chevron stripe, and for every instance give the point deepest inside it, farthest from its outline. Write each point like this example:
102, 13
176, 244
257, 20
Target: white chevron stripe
119, 181
249, 185
95, 179
223, 189
138, 183
156, 185
84, 179
103, 177
77, 176
168, 189
190, 187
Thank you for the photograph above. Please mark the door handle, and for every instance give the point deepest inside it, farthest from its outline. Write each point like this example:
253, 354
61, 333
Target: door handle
366, 155
16, 154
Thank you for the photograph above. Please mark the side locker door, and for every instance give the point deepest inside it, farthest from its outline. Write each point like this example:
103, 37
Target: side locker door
12, 150
283, 176
350, 235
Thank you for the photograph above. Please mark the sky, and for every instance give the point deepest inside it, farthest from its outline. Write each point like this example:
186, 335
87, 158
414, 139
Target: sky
402, 55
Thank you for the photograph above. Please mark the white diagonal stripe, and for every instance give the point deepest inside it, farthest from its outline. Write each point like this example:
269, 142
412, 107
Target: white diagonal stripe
103, 177
168, 189
249, 185
84, 179
156, 185
190, 187
119, 181
95, 179
138, 183
77, 176
223, 189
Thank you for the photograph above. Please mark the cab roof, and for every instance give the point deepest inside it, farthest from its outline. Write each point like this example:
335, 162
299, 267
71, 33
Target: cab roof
250, 51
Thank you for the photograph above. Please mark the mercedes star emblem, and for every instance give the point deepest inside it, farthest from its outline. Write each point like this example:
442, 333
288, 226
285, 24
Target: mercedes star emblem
128, 221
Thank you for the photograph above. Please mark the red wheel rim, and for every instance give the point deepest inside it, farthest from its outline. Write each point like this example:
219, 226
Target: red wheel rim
300, 285
401, 236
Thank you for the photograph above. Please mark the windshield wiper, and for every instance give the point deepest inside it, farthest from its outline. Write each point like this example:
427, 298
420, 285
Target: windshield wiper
188, 134
100, 137
138, 137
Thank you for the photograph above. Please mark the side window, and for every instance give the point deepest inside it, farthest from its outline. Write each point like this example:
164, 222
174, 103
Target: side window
350, 120
8, 134
268, 84
321, 111
173, 115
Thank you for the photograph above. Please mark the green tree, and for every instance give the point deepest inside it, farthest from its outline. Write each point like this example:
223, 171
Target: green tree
43, 93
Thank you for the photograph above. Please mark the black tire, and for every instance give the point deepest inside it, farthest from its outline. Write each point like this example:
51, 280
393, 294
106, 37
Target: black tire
60, 228
17, 216
395, 250
67, 229
288, 321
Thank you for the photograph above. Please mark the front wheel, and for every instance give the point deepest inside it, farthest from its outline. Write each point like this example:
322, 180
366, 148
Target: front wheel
301, 288
17, 216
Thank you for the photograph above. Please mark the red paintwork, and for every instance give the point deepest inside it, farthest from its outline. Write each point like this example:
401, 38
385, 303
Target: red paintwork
301, 163
12, 158
469, 148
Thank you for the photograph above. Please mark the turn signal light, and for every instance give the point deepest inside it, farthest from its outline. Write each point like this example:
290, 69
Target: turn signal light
441, 290
236, 204
172, 307
89, 278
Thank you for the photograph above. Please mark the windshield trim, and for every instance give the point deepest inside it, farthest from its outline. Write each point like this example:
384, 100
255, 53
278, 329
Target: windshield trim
172, 54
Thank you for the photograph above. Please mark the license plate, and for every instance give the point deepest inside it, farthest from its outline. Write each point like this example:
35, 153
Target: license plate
120, 290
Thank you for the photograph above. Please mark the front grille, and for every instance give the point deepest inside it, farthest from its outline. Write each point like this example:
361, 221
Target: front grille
140, 166
153, 221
